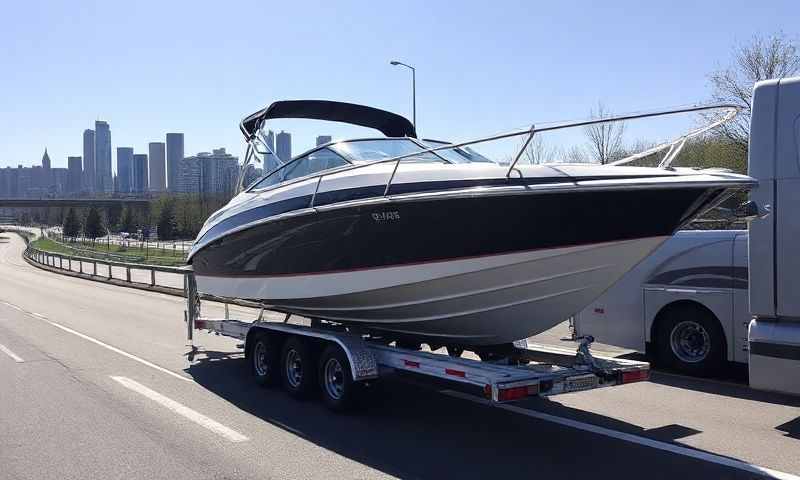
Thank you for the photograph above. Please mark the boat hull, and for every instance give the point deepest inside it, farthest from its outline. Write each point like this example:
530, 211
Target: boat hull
476, 301
475, 269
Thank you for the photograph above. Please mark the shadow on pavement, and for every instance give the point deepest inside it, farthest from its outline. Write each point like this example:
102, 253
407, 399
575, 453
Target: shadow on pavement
417, 432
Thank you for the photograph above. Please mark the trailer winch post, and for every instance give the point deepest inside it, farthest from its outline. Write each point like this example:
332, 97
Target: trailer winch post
190, 286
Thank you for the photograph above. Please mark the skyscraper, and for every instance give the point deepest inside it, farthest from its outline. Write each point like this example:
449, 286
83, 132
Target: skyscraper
46, 160
174, 158
124, 169
140, 182
284, 146
74, 174
270, 159
158, 178
323, 139
102, 151
89, 178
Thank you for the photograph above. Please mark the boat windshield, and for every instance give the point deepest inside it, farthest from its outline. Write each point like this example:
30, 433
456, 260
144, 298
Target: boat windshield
458, 154
361, 151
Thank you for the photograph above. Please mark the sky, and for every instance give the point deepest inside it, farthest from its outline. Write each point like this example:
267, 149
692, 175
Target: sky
198, 67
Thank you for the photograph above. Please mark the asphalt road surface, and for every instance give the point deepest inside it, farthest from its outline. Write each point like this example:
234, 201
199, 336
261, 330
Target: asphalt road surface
95, 384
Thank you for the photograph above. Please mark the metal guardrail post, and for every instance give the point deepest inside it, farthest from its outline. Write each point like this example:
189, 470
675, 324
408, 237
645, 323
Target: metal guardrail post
94, 271
110, 272
60, 262
128, 274
69, 263
80, 266
152, 278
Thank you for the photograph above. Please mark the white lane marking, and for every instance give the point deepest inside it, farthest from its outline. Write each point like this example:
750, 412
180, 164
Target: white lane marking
182, 410
627, 437
102, 344
11, 354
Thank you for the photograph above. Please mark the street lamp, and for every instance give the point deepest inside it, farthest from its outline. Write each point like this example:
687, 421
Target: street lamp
413, 90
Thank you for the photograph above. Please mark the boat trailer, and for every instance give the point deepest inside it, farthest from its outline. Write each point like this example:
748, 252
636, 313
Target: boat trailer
342, 363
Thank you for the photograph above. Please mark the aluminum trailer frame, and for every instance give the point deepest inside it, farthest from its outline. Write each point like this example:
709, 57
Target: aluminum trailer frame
525, 372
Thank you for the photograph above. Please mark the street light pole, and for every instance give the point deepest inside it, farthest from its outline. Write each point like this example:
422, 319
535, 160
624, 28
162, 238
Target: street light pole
413, 90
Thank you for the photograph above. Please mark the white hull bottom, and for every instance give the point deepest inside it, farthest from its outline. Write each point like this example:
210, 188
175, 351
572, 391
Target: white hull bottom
474, 301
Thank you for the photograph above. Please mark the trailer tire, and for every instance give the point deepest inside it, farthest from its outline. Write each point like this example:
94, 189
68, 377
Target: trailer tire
298, 368
264, 360
339, 392
690, 340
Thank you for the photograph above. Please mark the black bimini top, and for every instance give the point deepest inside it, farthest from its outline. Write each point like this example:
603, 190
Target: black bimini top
390, 124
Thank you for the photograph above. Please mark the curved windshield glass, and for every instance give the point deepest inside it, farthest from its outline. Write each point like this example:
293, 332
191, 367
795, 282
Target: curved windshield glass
313, 162
359, 151
457, 155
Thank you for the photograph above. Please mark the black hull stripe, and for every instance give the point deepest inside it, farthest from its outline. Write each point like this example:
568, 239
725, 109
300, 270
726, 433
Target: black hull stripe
411, 264
380, 235
377, 191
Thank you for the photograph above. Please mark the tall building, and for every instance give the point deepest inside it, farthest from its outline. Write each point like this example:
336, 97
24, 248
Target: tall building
174, 158
283, 146
102, 150
187, 176
46, 160
89, 178
209, 173
271, 161
74, 174
323, 139
158, 176
124, 169
140, 182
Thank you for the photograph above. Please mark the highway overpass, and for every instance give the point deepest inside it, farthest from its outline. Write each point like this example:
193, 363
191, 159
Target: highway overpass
72, 202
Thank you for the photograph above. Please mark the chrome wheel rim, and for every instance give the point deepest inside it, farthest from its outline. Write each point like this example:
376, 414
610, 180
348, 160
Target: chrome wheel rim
294, 368
333, 375
260, 359
690, 342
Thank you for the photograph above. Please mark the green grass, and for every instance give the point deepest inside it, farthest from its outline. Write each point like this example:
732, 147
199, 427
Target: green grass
120, 253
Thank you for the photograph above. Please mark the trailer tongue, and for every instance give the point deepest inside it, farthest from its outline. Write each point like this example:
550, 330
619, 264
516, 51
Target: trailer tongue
340, 363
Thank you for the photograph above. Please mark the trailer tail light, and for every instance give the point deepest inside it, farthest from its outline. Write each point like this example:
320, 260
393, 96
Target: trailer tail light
410, 364
516, 393
635, 375
455, 373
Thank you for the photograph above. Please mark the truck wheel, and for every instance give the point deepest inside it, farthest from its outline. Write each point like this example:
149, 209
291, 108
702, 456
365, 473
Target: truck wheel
297, 368
264, 360
691, 340
339, 391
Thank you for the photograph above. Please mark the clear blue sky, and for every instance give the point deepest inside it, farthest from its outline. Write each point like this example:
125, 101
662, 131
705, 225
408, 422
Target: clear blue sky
150, 67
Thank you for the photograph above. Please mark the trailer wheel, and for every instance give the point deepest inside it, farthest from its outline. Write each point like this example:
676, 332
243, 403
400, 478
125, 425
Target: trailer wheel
339, 391
690, 340
297, 368
264, 360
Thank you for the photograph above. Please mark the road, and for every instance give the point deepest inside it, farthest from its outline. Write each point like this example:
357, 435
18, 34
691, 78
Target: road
95, 384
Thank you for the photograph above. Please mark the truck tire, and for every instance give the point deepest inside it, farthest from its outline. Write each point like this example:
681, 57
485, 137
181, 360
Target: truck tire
298, 368
690, 340
339, 391
264, 362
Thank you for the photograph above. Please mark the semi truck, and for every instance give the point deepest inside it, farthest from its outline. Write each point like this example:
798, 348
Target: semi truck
704, 298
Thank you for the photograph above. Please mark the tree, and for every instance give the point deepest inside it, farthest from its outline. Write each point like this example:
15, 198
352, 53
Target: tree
538, 151
604, 139
127, 223
72, 225
167, 225
93, 227
763, 58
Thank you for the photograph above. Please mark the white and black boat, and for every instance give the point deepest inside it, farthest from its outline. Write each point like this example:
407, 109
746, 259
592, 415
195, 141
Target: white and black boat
432, 240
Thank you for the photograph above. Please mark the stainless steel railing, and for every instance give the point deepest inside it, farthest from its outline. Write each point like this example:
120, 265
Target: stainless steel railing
674, 146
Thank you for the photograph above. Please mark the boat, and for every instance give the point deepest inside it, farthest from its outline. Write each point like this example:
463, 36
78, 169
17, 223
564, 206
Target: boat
405, 238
